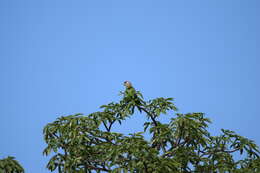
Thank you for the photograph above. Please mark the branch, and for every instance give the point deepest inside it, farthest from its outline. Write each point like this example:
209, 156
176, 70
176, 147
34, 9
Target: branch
148, 113
106, 126
225, 151
145, 167
111, 123
97, 168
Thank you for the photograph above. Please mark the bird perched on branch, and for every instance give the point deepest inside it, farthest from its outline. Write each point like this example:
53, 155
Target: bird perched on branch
128, 84
130, 93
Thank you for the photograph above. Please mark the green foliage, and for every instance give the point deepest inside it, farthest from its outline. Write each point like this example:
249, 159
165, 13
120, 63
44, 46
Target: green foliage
10, 165
80, 143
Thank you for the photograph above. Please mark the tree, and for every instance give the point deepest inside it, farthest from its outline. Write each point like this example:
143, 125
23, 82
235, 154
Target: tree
10, 165
86, 143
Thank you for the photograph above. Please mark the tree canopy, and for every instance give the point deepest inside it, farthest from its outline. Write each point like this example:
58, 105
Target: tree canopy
10, 165
87, 143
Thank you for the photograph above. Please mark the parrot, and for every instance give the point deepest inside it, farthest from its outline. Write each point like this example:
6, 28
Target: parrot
130, 93
129, 86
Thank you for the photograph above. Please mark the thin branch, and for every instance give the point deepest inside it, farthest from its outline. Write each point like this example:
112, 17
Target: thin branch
108, 128
148, 113
97, 168
145, 167
225, 151
105, 126
111, 123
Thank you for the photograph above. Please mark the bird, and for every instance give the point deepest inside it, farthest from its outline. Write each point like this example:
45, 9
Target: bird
128, 84
130, 93
130, 97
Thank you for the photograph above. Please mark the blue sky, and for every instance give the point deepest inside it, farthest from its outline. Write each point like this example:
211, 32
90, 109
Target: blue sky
65, 57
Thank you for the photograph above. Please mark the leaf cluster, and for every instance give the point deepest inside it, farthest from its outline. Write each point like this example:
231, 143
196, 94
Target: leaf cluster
10, 165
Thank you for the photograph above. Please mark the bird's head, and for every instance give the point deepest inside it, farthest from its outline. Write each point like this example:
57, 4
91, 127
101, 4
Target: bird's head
127, 84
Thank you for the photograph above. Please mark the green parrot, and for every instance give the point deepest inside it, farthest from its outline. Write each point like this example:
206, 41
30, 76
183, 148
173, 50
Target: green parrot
129, 88
130, 93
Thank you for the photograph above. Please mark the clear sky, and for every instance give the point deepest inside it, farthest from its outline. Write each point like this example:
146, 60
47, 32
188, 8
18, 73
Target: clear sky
65, 57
